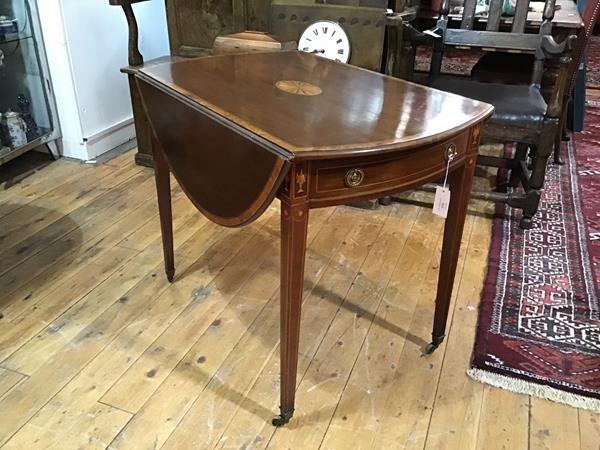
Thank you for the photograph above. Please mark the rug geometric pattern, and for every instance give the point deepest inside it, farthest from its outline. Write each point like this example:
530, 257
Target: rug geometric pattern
540, 314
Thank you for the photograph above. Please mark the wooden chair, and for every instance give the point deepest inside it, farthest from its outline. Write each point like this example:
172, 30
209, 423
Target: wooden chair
521, 113
493, 67
136, 61
134, 55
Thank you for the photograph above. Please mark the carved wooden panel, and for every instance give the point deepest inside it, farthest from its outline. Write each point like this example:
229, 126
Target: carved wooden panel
194, 24
258, 14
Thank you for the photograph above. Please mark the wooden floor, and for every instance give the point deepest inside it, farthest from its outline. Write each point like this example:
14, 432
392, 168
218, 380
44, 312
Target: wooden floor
98, 350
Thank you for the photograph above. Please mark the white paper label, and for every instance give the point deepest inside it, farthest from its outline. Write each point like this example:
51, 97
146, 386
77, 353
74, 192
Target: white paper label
432, 34
441, 201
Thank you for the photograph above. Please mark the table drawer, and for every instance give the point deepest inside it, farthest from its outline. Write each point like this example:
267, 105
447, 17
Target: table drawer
374, 174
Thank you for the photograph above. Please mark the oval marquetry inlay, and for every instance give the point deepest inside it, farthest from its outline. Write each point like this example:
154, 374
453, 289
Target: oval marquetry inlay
298, 87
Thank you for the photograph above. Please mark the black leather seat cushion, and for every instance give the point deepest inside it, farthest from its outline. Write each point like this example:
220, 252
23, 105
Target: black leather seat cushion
516, 105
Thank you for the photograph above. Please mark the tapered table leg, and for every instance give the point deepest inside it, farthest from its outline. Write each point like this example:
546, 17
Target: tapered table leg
460, 187
294, 224
163, 191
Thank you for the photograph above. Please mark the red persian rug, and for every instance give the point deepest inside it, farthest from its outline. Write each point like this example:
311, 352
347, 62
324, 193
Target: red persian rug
455, 62
539, 318
593, 63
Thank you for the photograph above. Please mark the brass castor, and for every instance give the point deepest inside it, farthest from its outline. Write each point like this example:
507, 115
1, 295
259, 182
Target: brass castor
433, 345
170, 275
282, 419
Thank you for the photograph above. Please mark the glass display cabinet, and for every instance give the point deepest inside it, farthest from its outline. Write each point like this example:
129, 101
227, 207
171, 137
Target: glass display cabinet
28, 117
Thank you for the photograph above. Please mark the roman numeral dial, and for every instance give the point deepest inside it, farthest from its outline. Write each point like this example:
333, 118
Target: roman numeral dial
327, 39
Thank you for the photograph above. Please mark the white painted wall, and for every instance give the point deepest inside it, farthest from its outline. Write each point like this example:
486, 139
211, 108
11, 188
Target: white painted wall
86, 43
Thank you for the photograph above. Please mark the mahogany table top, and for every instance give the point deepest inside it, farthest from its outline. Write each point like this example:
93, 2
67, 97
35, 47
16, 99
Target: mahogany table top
308, 107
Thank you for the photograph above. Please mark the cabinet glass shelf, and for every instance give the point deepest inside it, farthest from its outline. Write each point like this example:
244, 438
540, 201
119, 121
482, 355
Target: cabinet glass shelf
25, 85
20, 37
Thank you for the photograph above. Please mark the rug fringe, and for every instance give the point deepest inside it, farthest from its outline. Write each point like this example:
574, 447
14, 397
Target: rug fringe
529, 388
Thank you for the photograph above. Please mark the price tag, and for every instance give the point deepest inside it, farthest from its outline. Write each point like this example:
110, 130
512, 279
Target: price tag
432, 34
441, 201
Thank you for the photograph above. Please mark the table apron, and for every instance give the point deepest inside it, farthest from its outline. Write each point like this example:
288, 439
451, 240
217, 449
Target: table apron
334, 182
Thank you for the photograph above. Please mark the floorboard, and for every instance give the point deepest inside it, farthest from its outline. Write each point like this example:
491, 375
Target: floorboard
98, 350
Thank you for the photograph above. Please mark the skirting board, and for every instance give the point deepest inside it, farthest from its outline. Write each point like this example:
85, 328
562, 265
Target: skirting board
109, 139
95, 145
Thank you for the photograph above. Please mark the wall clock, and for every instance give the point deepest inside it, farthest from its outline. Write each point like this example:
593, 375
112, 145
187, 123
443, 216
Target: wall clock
327, 39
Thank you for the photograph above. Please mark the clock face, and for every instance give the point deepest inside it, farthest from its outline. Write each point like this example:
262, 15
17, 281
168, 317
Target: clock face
327, 39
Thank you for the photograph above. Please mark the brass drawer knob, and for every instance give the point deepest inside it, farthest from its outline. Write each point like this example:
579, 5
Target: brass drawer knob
451, 153
354, 177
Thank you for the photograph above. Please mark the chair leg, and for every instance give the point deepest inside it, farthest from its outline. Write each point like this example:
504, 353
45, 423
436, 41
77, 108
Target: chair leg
530, 207
532, 193
539, 158
561, 132
515, 171
557, 144
566, 136
539, 161
385, 201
